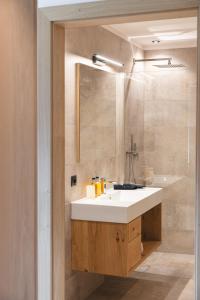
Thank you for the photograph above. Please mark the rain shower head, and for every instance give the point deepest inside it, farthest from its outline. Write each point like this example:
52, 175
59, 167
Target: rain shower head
168, 65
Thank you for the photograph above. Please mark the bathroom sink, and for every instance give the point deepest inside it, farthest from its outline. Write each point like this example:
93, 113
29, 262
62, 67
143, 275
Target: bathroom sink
116, 206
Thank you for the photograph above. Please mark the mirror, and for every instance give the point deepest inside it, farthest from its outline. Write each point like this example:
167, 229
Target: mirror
96, 119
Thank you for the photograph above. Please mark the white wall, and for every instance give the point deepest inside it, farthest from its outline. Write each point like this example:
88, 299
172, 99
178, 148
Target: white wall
46, 3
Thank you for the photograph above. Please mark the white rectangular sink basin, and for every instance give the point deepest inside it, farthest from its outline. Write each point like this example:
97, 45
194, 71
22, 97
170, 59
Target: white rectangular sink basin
116, 206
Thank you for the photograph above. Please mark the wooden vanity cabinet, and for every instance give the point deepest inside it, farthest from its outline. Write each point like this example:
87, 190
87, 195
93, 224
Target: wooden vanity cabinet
113, 248
106, 248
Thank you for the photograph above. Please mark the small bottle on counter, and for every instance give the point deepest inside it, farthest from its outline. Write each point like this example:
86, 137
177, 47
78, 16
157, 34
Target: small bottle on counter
97, 187
110, 184
90, 190
93, 181
103, 185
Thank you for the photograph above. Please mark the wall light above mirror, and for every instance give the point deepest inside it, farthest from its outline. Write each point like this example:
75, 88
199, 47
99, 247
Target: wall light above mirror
102, 61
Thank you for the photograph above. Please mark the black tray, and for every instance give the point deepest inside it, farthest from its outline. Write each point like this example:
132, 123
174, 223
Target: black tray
127, 186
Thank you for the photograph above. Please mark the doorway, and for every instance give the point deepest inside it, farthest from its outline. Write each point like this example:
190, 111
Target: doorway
62, 227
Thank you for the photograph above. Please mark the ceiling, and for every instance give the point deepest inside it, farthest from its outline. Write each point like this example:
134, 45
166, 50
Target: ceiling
167, 34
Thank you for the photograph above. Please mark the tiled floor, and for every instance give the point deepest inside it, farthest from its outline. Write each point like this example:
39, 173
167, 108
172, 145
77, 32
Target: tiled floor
162, 276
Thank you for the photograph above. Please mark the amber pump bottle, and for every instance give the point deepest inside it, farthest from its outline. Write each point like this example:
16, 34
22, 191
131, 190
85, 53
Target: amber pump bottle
103, 185
97, 187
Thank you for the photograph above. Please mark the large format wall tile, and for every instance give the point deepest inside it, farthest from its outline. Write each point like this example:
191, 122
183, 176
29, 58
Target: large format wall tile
169, 140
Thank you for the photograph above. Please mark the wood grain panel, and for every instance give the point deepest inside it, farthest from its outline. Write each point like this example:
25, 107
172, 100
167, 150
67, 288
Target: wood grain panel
112, 248
134, 229
115, 238
80, 255
18, 150
151, 224
58, 168
44, 164
134, 253
78, 112
99, 9
132, 18
197, 214
99, 247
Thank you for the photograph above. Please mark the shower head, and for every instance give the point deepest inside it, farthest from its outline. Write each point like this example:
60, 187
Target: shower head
170, 65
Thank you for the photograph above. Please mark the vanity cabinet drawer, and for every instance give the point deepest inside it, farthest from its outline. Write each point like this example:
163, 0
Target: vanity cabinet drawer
134, 229
134, 253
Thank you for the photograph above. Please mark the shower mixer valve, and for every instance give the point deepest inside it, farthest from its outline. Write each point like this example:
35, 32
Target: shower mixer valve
133, 150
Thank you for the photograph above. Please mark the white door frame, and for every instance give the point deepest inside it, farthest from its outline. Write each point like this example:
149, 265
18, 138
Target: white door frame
77, 12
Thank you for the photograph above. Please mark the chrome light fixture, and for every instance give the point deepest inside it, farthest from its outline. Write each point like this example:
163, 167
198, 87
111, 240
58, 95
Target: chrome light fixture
168, 65
102, 61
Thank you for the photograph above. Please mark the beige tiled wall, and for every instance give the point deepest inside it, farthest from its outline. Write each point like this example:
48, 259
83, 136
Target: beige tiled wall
81, 44
169, 141
169, 114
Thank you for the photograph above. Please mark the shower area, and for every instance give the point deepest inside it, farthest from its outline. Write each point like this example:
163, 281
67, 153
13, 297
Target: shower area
160, 105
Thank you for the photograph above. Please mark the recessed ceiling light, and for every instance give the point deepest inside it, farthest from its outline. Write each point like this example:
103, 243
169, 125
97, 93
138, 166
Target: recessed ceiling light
155, 42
